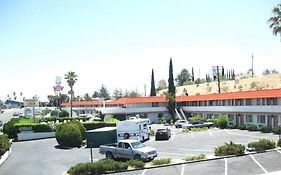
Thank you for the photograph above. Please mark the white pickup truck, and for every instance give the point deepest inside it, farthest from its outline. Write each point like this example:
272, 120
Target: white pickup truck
128, 149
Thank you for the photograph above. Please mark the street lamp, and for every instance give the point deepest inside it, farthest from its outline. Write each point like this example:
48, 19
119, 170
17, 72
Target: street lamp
279, 130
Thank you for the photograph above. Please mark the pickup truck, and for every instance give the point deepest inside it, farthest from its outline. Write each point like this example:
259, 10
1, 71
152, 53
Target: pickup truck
197, 125
128, 149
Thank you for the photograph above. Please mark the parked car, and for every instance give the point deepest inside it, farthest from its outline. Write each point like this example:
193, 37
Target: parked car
163, 134
1, 123
15, 114
128, 149
197, 125
179, 123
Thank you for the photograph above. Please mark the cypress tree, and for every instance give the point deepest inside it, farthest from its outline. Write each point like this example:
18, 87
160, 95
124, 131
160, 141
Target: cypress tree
192, 73
222, 72
171, 91
152, 90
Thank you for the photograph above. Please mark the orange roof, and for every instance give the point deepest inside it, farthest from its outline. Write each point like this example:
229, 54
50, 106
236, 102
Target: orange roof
269, 93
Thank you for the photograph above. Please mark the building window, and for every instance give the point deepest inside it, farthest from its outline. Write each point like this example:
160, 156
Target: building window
155, 104
249, 118
249, 102
261, 118
231, 118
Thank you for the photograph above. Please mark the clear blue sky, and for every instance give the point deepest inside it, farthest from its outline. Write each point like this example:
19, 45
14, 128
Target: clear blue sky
117, 43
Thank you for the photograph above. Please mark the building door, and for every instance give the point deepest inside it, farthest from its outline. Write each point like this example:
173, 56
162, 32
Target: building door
272, 120
239, 119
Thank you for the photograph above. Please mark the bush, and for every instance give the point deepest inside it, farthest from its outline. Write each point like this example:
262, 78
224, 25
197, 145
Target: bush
112, 120
230, 149
276, 130
96, 125
242, 127
265, 129
63, 113
69, 135
97, 168
161, 161
196, 157
196, 119
251, 127
41, 128
232, 126
55, 113
195, 129
262, 145
151, 132
222, 122
81, 128
4, 144
279, 143
137, 164
10, 129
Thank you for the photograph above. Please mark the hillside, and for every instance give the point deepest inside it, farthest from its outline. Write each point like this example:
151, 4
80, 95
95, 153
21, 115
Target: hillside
271, 81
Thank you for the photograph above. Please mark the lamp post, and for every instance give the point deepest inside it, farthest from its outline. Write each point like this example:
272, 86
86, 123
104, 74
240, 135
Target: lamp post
279, 130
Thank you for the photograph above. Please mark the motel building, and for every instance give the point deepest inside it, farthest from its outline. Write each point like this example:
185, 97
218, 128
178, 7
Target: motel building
259, 107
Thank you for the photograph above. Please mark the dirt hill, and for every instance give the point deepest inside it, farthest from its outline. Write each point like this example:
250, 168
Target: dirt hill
272, 81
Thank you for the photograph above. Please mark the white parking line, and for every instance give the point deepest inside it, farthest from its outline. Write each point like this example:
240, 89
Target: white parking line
143, 172
225, 166
264, 170
192, 135
210, 132
279, 151
182, 169
172, 136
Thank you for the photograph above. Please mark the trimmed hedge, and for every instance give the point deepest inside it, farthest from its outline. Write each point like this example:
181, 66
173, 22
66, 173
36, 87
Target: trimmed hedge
63, 113
279, 143
96, 125
81, 128
4, 144
97, 168
69, 135
242, 127
161, 161
196, 157
136, 164
251, 127
41, 128
10, 129
276, 130
222, 122
230, 149
196, 119
265, 129
232, 126
262, 145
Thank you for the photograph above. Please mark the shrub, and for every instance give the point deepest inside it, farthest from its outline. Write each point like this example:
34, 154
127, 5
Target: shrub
10, 129
63, 113
69, 135
196, 157
222, 122
196, 119
230, 149
279, 143
41, 128
251, 127
96, 125
161, 161
151, 132
242, 127
81, 128
262, 145
55, 113
199, 129
265, 129
137, 164
112, 120
276, 130
232, 126
4, 144
97, 168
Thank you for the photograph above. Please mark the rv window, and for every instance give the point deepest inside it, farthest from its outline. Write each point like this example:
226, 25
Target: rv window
144, 126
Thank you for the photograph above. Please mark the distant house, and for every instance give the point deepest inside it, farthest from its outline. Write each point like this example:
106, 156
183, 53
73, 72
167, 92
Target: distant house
13, 104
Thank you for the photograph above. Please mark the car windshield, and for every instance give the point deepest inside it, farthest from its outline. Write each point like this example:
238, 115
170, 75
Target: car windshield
137, 145
160, 130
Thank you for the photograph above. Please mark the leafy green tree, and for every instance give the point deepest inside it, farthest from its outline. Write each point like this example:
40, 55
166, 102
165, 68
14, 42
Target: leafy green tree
71, 78
117, 93
134, 94
171, 92
275, 20
182, 77
63, 113
104, 93
152, 90
95, 94
87, 97
161, 85
266, 72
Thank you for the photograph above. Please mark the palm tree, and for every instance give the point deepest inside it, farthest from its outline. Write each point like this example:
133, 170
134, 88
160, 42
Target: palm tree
275, 21
71, 78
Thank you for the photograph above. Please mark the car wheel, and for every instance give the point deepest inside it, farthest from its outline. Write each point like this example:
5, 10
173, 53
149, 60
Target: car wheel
137, 157
109, 155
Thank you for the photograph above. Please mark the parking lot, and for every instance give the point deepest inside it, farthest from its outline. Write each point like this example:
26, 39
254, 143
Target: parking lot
42, 157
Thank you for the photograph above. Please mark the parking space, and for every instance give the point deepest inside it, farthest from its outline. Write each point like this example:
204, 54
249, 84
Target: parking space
263, 163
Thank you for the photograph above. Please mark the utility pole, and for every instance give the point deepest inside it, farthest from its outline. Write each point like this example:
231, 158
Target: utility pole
145, 90
218, 75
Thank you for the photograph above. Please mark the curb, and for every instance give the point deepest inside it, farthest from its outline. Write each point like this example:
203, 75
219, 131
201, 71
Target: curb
5, 156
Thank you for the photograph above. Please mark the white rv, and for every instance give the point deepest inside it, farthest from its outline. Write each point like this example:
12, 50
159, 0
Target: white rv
133, 129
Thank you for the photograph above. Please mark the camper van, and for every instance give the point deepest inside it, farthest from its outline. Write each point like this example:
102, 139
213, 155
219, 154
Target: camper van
133, 129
